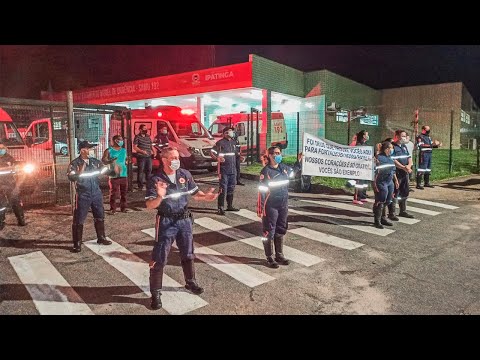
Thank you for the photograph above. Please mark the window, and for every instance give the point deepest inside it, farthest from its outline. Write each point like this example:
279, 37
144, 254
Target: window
218, 128
240, 129
9, 134
342, 116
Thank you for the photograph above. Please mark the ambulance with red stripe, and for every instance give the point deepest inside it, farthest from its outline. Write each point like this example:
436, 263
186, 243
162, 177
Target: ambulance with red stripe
239, 122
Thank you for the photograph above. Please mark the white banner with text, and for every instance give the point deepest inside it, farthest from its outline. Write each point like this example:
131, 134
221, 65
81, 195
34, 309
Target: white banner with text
323, 157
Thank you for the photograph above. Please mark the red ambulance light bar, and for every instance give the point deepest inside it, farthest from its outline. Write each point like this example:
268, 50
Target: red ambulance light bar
187, 112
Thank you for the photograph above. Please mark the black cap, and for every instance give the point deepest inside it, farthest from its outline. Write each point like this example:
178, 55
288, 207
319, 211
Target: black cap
85, 144
227, 129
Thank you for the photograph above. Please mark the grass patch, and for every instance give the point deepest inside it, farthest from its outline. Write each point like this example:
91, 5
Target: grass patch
464, 163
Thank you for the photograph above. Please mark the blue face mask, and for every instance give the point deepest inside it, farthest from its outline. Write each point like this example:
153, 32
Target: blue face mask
278, 159
392, 152
119, 143
3, 151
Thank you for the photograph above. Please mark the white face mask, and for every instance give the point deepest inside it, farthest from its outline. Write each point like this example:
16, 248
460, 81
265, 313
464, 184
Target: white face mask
175, 164
230, 133
403, 140
91, 153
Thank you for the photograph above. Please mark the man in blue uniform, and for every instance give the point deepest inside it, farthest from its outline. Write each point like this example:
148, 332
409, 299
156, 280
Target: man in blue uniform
425, 144
239, 159
384, 183
272, 205
403, 162
84, 171
225, 152
9, 191
168, 191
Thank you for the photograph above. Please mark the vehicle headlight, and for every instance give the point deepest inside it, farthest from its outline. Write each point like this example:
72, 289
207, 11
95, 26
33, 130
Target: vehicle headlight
194, 150
28, 168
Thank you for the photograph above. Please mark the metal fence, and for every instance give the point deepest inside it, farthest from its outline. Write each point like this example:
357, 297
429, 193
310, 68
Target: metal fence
43, 140
457, 130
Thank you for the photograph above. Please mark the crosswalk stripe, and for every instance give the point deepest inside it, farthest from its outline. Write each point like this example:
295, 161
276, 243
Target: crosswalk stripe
176, 299
364, 228
319, 236
432, 203
422, 211
354, 208
207, 179
50, 292
295, 255
242, 272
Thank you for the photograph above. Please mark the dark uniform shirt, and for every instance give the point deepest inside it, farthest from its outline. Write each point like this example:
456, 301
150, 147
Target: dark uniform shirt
274, 185
385, 168
176, 199
161, 139
425, 143
87, 182
228, 149
401, 155
7, 163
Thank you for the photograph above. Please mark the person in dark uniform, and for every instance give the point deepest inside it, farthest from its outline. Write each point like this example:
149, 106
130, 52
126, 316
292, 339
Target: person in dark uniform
272, 205
239, 159
161, 140
384, 183
425, 146
167, 191
225, 152
84, 172
303, 183
9, 191
403, 162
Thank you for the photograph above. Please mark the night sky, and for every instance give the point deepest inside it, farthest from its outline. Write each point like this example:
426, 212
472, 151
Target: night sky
26, 70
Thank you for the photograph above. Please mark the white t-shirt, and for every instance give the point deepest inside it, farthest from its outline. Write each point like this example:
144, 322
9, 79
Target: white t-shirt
410, 147
172, 178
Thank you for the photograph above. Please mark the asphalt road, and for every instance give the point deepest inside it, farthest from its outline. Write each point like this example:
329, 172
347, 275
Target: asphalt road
339, 267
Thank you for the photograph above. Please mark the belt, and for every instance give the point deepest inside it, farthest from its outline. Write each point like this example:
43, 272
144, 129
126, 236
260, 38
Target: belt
184, 215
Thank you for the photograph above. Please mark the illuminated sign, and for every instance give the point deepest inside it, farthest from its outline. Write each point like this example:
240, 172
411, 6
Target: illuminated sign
369, 120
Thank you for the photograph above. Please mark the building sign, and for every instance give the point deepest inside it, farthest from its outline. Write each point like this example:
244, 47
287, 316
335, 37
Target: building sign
369, 120
342, 116
213, 79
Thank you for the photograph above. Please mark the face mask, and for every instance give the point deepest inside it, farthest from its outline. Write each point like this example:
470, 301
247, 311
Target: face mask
119, 143
231, 134
278, 159
91, 153
3, 151
427, 132
392, 152
403, 140
366, 137
164, 132
175, 164
144, 132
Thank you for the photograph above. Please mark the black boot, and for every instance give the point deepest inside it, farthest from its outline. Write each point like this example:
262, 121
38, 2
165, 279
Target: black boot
189, 273
391, 210
383, 219
221, 203
403, 209
156, 280
377, 213
427, 180
230, 202
100, 229
419, 181
279, 258
77, 235
18, 211
268, 247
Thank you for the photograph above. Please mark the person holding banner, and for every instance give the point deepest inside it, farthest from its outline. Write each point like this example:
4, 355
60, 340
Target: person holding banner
361, 186
272, 205
384, 183
403, 162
